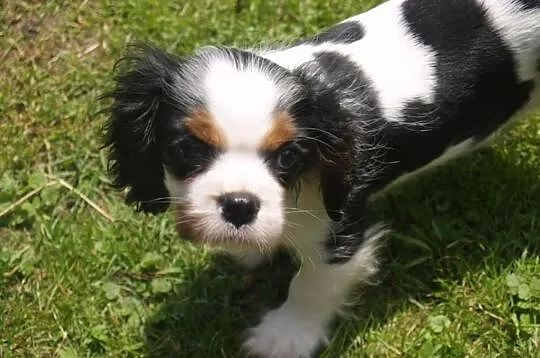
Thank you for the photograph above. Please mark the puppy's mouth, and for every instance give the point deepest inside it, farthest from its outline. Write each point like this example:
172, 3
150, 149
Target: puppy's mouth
194, 231
234, 222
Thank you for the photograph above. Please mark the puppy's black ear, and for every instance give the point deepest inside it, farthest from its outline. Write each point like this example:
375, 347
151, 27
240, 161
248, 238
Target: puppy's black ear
140, 92
334, 151
335, 191
328, 129
334, 155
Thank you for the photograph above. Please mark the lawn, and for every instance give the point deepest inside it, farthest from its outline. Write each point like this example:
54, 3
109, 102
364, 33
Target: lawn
82, 274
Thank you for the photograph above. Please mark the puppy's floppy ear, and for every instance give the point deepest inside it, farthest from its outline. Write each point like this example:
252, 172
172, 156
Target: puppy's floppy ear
334, 175
138, 97
328, 129
335, 191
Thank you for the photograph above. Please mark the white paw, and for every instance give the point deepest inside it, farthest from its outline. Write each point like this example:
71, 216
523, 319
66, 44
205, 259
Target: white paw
284, 333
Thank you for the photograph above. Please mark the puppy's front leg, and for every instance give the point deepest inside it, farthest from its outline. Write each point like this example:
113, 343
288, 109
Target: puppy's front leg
298, 327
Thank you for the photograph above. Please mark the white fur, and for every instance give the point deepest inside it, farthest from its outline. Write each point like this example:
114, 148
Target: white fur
247, 257
286, 332
241, 102
292, 57
316, 294
400, 68
232, 172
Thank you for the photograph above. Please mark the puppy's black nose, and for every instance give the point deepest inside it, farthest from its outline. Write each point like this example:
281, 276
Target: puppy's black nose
239, 208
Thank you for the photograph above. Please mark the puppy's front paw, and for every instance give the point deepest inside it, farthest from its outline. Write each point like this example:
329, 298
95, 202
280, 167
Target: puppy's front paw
285, 333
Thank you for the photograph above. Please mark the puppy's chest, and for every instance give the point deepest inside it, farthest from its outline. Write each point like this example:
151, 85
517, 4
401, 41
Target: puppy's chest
307, 221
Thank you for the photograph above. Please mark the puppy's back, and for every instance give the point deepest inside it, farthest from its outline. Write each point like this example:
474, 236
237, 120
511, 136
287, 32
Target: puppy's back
432, 79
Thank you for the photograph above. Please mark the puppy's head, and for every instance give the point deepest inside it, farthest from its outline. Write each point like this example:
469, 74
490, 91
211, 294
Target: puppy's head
222, 136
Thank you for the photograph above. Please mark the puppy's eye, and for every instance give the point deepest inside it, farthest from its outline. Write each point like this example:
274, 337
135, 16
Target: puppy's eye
287, 159
175, 153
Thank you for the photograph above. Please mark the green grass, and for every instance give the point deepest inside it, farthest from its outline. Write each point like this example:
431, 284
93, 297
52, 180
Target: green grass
461, 272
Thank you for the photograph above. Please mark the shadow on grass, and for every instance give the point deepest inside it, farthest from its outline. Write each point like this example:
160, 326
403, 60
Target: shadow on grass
445, 224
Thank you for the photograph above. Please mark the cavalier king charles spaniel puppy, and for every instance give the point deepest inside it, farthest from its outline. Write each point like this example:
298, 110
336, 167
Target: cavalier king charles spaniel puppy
255, 149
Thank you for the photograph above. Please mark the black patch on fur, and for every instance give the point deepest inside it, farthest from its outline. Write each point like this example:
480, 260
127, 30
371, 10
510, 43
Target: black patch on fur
136, 112
477, 86
340, 73
344, 33
529, 4
184, 154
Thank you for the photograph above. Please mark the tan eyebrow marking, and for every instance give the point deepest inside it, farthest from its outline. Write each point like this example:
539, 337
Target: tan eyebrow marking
282, 131
203, 126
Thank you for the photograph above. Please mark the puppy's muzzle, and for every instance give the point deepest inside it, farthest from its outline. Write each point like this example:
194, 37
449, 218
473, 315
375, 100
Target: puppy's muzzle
239, 208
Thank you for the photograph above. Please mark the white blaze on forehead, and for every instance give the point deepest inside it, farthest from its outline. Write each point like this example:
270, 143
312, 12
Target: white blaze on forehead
237, 171
241, 102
